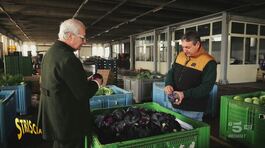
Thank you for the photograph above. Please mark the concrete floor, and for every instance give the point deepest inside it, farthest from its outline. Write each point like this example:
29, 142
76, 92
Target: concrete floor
35, 141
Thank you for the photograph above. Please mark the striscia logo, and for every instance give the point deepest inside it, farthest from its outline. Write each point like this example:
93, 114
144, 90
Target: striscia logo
26, 126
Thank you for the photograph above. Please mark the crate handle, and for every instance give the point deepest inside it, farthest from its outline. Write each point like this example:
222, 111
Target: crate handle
262, 116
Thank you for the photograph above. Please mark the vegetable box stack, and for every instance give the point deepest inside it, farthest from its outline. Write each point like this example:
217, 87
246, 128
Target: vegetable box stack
141, 86
188, 133
110, 96
242, 118
22, 93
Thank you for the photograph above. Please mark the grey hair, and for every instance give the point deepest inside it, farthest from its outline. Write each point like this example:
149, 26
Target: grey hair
70, 25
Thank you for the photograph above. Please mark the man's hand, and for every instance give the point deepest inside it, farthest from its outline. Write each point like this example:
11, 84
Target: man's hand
168, 89
97, 77
100, 81
180, 97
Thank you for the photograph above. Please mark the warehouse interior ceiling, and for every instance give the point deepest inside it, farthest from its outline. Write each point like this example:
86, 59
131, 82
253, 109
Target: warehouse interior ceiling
110, 20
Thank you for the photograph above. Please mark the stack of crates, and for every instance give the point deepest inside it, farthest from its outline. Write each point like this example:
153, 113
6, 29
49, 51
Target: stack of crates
161, 98
12, 65
120, 97
22, 94
241, 121
197, 136
7, 116
108, 64
141, 88
18, 65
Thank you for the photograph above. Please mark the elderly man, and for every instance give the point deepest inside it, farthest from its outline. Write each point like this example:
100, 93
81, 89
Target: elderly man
65, 90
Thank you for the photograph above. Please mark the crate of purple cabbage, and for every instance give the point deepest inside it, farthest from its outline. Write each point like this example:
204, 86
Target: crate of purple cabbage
111, 96
146, 125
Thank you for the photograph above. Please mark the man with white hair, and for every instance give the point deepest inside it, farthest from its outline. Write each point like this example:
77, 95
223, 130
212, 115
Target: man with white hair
65, 90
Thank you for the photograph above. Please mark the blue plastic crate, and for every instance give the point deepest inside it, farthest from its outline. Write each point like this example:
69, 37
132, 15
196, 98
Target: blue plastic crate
120, 97
212, 103
159, 96
96, 103
7, 115
22, 97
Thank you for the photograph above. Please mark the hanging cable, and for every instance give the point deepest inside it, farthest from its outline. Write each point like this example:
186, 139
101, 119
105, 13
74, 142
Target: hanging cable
80, 7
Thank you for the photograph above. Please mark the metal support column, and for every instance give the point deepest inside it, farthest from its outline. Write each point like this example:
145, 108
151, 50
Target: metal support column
169, 48
155, 51
224, 49
132, 53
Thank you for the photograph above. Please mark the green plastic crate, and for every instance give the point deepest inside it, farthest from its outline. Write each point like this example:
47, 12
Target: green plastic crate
241, 121
197, 137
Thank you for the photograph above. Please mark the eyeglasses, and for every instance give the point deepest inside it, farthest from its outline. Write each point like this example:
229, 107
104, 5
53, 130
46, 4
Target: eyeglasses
82, 37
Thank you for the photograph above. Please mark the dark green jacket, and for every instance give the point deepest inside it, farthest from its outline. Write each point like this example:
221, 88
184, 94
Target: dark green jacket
64, 107
194, 76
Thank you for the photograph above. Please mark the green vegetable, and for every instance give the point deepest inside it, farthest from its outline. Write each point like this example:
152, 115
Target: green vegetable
144, 75
248, 100
239, 98
104, 91
10, 80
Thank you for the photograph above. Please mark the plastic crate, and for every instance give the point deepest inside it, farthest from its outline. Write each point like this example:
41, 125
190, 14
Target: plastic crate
241, 121
120, 97
141, 88
212, 103
96, 103
7, 115
127, 83
159, 96
18, 65
22, 97
198, 137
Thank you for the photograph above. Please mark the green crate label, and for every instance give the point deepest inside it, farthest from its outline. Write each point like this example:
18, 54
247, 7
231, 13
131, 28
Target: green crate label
238, 129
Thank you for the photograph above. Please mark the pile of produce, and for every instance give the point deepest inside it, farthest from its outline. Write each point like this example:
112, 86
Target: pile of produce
104, 91
131, 123
148, 75
10, 80
259, 100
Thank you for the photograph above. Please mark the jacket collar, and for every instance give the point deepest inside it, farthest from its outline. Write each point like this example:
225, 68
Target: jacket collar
63, 45
200, 52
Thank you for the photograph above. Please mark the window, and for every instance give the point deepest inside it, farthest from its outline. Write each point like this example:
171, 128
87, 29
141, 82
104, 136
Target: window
149, 53
144, 47
217, 28
163, 47
191, 29
261, 49
238, 27
252, 29
236, 55
204, 30
216, 50
262, 30
250, 50
179, 34
205, 44
115, 50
